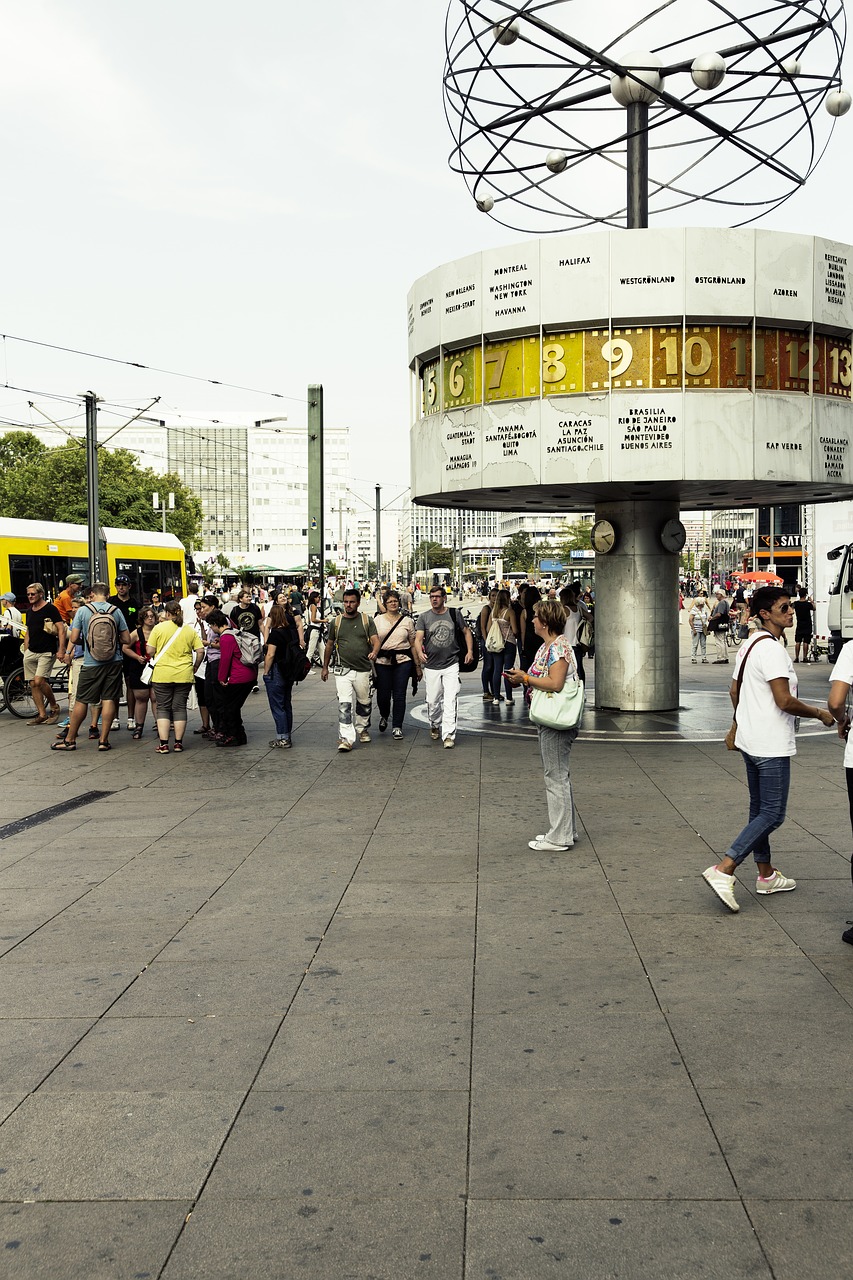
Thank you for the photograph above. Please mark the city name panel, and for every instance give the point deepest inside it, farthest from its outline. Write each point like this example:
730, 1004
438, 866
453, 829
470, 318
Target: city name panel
716, 363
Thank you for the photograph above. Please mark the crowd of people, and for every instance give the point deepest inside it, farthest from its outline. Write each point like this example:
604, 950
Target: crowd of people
208, 652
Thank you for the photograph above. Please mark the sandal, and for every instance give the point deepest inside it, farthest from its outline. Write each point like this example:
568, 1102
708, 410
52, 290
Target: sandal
179, 746
105, 746
162, 748
137, 733
62, 744
93, 734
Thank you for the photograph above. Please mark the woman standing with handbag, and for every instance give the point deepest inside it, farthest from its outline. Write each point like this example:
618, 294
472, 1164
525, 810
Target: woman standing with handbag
393, 667
552, 668
135, 658
283, 642
497, 626
176, 651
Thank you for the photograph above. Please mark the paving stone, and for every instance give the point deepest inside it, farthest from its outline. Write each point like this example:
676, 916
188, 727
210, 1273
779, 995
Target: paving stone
600, 985
800, 1051
286, 1144
361, 1051
247, 988
119, 942
30, 1048
432, 900
750, 933
559, 1145
230, 939
320, 1239
807, 1238
613, 1240
396, 936
113, 1146
806, 1157
88, 1241
60, 990
730, 987
211, 1051
554, 934
374, 986
548, 1050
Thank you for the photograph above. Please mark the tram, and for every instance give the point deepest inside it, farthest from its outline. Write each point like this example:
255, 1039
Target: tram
45, 551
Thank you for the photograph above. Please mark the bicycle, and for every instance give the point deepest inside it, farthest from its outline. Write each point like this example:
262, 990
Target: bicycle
18, 695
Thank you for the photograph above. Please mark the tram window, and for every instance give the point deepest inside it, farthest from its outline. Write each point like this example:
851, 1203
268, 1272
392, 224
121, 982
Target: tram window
170, 579
150, 579
22, 571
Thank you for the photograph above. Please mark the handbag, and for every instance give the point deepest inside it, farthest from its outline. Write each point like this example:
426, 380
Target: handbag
147, 673
561, 710
558, 710
732, 733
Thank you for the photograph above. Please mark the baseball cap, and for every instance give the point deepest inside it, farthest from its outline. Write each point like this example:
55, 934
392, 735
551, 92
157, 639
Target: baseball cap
73, 577
121, 578
9, 595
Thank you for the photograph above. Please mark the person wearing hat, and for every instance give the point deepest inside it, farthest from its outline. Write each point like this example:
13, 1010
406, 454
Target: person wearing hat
11, 622
66, 601
718, 625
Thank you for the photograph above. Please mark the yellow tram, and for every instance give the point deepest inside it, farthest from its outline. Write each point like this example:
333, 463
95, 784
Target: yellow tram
45, 551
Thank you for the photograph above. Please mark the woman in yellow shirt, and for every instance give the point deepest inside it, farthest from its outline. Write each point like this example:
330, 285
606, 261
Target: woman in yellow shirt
177, 652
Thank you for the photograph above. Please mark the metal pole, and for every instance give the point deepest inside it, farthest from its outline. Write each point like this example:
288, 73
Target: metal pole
92, 483
638, 165
378, 536
459, 537
316, 531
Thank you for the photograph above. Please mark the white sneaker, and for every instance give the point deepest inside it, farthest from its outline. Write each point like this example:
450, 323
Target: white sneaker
541, 845
434, 732
364, 736
131, 724
449, 743
723, 886
776, 884
116, 724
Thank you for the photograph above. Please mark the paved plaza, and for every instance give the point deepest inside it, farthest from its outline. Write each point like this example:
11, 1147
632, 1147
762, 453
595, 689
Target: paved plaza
275, 1014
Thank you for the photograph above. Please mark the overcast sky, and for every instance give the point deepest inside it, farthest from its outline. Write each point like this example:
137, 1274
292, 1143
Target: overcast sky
245, 193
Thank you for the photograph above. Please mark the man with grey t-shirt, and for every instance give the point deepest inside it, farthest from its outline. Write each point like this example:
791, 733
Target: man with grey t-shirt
437, 651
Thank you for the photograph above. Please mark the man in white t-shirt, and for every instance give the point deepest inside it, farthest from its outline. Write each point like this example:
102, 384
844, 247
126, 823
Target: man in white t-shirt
764, 696
188, 604
841, 679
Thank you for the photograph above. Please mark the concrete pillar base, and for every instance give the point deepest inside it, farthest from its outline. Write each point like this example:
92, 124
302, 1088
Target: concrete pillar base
636, 611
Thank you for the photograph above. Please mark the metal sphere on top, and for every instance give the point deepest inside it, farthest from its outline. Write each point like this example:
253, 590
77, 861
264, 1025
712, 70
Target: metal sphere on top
838, 103
730, 119
708, 71
643, 82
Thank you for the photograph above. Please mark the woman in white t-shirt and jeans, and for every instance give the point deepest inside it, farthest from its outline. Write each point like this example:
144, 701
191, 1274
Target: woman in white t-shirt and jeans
766, 711
841, 679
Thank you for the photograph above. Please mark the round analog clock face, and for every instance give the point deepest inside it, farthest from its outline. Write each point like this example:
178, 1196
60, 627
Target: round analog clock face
602, 536
673, 536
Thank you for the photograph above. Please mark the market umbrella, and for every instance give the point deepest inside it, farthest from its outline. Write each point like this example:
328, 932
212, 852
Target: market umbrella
760, 575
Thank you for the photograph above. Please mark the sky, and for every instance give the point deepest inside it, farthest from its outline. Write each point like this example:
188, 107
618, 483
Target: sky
243, 193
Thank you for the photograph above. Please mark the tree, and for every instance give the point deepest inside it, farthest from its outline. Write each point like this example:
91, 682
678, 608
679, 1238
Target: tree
573, 536
40, 483
432, 555
519, 554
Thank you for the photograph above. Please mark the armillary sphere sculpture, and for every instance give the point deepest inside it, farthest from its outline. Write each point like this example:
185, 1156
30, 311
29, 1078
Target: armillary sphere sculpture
550, 107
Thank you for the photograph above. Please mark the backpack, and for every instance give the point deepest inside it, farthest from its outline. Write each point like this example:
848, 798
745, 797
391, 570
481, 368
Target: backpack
249, 646
102, 633
293, 663
459, 624
495, 642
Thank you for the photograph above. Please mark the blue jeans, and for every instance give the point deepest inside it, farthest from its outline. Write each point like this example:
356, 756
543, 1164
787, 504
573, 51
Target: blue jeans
769, 779
391, 682
493, 665
279, 693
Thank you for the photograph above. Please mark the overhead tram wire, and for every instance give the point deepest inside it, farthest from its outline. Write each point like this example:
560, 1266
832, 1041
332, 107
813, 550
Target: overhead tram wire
151, 368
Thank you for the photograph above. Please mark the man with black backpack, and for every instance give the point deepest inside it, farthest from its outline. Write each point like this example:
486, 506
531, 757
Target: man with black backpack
103, 630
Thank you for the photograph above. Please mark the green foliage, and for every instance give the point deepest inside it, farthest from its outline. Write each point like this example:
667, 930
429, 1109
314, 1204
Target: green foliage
222, 560
432, 555
39, 483
574, 536
519, 554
